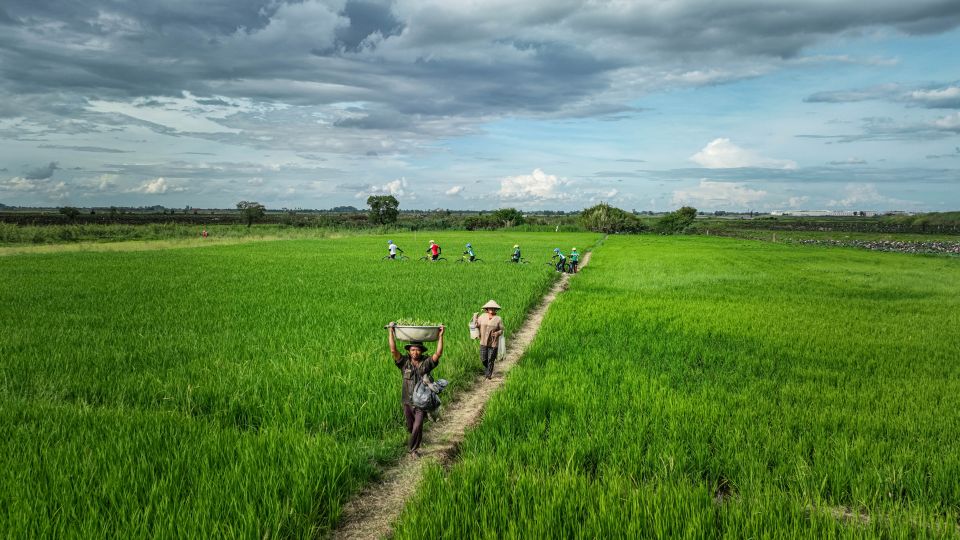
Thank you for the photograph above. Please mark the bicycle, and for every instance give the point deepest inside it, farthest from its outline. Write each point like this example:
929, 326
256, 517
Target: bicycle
521, 261
397, 258
464, 258
430, 259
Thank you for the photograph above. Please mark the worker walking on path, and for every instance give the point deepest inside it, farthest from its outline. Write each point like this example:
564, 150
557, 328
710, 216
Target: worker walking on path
574, 260
415, 365
491, 328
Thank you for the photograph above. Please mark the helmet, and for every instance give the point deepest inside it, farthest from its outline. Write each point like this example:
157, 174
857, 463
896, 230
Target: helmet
574, 249
468, 245
556, 250
389, 241
515, 246
432, 242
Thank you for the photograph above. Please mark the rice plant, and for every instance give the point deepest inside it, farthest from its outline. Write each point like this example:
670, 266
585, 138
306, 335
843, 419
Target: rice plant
707, 388
239, 391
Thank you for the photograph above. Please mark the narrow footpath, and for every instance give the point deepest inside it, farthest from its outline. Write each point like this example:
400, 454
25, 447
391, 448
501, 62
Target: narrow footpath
372, 513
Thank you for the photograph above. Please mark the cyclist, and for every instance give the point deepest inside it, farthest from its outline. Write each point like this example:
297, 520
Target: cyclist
434, 250
574, 260
561, 260
516, 253
469, 253
393, 249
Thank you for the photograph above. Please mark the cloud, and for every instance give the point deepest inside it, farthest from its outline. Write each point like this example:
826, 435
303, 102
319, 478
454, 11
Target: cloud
536, 186
454, 191
42, 173
710, 194
398, 188
849, 161
863, 194
96, 149
723, 154
933, 96
945, 98
797, 202
158, 186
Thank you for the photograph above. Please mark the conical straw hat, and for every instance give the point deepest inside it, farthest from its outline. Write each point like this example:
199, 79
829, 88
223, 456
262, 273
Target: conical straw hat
491, 304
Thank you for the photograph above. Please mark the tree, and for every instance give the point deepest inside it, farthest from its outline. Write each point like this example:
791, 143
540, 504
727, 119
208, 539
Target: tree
508, 217
676, 221
251, 211
610, 219
383, 209
71, 212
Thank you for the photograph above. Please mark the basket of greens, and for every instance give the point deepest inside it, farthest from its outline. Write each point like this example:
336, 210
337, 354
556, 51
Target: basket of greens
408, 330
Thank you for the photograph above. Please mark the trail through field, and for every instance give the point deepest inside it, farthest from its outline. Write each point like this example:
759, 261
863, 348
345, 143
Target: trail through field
372, 513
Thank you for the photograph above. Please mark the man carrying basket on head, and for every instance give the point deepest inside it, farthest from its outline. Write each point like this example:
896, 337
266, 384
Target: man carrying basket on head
491, 328
415, 365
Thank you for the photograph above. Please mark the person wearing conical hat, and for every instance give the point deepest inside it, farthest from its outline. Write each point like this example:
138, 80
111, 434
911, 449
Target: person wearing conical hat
415, 365
491, 328
574, 260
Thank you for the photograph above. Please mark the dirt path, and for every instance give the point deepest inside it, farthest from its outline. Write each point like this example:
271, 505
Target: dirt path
372, 513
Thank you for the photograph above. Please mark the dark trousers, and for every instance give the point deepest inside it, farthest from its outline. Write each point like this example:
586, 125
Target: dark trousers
414, 418
487, 356
573, 266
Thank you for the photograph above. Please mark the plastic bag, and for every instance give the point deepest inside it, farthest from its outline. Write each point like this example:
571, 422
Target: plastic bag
426, 394
474, 328
502, 348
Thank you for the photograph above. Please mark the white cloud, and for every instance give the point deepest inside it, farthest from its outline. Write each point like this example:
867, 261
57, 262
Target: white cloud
945, 96
537, 185
454, 191
797, 202
861, 194
721, 153
397, 188
159, 186
950, 122
712, 195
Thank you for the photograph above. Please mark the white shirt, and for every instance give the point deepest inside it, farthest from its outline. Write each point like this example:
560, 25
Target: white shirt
393, 249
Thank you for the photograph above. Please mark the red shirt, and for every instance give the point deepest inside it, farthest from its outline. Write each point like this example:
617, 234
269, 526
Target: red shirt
434, 249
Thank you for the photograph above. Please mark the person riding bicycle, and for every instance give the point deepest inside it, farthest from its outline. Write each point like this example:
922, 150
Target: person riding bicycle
574, 260
434, 250
469, 253
516, 254
561, 260
393, 249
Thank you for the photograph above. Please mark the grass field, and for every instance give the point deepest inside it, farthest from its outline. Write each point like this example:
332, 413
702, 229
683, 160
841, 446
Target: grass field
708, 387
234, 390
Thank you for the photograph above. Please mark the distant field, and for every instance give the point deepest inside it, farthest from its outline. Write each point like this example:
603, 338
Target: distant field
711, 387
233, 390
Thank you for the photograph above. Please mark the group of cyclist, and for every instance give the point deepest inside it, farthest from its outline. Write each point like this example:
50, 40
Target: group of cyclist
560, 261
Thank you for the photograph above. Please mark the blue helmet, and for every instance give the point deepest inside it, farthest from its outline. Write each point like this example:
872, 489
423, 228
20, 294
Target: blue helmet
389, 241
556, 250
468, 245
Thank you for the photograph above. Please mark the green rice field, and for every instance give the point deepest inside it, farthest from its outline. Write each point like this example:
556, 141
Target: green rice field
236, 390
693, 387
704, 388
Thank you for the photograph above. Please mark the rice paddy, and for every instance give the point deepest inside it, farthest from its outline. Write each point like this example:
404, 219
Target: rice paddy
705, 388
234, 390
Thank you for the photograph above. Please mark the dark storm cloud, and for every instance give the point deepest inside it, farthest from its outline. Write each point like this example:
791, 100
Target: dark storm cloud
366, 19
422, 70
42, 173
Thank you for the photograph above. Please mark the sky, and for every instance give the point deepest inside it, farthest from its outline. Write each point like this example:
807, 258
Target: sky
760, 105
